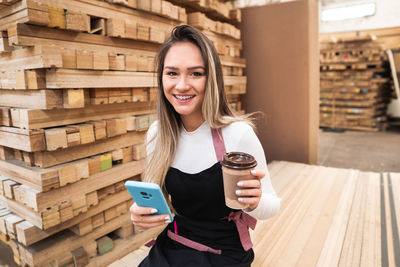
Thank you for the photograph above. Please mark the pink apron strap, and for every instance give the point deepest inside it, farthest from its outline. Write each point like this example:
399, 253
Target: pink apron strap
191, 244
219, 145
243, 221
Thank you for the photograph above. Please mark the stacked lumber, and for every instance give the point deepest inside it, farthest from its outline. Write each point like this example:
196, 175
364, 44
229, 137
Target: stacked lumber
354, 85
219, 21
77, 92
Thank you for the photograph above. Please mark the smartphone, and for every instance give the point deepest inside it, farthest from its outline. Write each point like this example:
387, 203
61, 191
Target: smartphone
148, 195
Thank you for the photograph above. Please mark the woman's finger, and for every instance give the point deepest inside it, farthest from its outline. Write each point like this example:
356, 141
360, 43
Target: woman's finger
149, 219
259, 174
142, 226
135, 209
248, 192
253, 183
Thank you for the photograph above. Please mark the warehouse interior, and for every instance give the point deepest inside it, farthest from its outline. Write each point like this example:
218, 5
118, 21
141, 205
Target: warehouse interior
77, 94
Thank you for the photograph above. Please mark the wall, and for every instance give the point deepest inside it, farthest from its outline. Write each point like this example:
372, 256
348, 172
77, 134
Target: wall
387, 16
280, 44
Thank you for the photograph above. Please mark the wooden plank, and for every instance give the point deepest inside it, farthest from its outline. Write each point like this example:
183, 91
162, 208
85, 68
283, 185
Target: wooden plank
28, 234
46, 159
334, 242
73, 98
280, 226
35, 99
77, 21
34, 57
66, 78
371, 244
36, 119
26, 140
124, 246
5, 117
45, 251
82, 187
56, 138
32, 35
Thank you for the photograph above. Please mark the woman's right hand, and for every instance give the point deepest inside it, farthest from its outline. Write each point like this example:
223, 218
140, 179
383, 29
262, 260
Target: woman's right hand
143, 218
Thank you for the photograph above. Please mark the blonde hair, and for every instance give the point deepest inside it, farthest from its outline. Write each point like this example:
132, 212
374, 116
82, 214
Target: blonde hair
215, 108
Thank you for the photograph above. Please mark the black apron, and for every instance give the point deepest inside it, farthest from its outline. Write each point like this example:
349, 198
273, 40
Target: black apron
202, 219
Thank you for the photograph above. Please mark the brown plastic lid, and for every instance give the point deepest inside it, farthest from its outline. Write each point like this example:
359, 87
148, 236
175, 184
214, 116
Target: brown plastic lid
239, 161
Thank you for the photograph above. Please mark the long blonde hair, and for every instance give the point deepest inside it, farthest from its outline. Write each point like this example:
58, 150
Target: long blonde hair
215, 108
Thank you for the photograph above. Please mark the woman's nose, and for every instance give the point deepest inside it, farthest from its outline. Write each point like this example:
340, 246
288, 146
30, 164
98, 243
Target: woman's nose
182, 83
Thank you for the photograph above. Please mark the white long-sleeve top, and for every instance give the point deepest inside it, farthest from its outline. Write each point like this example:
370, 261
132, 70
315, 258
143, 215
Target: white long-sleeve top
198, 147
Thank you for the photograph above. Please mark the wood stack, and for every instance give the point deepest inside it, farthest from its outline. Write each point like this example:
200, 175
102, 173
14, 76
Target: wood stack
354, 84
77, 92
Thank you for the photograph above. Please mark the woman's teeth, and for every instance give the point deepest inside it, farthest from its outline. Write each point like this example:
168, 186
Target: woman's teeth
184, 97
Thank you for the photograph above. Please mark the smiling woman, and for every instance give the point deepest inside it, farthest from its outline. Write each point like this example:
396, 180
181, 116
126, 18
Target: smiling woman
184, 80
194, 129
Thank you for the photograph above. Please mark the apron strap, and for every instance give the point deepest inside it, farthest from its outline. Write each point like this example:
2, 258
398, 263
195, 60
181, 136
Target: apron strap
219, 145
192, 244
243, 221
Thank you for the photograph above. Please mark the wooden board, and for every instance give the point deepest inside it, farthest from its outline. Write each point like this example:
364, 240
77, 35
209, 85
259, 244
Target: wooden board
46, 159
65, 78
329, 216
37, 118
33, 99
28, 233
26, 140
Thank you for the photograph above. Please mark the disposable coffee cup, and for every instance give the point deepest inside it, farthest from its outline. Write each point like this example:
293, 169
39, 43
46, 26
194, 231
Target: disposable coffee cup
236, 166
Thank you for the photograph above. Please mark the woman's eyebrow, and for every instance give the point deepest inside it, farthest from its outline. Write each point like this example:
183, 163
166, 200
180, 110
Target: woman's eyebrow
190, 68
196, 67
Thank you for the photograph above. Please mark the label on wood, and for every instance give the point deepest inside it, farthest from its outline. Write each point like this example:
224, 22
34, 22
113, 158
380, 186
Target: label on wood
105, 162
56, 17
104, 245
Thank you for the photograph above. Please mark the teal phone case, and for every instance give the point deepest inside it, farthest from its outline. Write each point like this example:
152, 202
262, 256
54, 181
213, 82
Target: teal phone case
148, 195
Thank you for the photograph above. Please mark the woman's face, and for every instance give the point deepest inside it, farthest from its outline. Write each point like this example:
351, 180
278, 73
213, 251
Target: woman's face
184, 80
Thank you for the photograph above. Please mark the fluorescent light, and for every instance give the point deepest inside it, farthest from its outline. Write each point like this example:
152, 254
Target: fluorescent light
348, 12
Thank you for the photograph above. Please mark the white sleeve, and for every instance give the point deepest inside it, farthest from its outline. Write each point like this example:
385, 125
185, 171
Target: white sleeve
269, 203
150, 140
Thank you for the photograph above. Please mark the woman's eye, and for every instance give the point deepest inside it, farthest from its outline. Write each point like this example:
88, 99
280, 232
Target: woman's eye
197, 74
172, 73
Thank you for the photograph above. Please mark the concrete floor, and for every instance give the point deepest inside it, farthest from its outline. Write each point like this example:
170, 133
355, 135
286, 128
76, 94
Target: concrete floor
367, 151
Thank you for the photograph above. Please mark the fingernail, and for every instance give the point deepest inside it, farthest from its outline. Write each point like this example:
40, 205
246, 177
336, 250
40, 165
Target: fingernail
240, 199
253, 171
240, 184
238, 192
167, 218
153, 210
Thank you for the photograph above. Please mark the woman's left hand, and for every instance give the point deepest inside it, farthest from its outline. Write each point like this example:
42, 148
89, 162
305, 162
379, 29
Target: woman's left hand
249, 191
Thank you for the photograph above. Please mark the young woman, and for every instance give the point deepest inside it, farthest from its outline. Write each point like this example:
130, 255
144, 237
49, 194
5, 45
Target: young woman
184, 149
